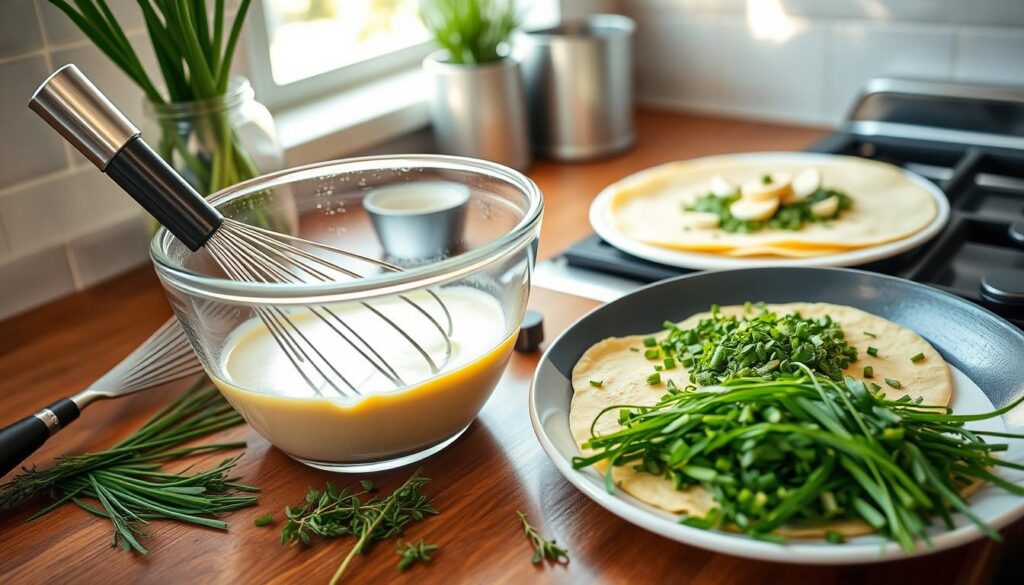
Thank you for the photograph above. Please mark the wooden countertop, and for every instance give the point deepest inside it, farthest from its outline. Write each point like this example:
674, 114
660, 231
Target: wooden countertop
496, 468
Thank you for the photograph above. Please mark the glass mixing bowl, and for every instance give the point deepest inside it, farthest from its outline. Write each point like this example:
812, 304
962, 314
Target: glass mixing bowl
285, 355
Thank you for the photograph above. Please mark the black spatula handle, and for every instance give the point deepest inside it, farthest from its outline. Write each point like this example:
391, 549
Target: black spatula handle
22, 438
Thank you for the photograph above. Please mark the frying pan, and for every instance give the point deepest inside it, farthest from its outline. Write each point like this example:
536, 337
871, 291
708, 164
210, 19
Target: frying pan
978, 343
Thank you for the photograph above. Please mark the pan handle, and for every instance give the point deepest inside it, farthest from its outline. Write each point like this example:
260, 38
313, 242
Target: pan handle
22, 438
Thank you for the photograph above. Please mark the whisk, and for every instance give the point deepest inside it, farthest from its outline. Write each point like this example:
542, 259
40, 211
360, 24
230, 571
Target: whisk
164, 357
74, 107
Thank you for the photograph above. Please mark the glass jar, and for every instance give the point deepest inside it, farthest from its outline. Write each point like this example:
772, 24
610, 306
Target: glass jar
369, 367
217, 142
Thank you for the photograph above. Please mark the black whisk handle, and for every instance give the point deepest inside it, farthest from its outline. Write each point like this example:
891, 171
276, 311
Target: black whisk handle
22, 438
164, 194
80, 113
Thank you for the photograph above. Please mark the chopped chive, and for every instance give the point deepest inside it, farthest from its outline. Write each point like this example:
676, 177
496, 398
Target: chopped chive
869, 334
596, 383
873, 351
654, 378
917, 358
875, 387
894, 383
766, 179
658, 368
652, 353
869, 372
633, 349
649, 342
834, 537
264, 520
669, 363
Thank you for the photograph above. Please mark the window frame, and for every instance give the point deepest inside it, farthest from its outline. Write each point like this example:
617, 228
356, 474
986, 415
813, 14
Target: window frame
278, 97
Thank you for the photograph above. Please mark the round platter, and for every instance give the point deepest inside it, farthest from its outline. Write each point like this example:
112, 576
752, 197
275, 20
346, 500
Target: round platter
603, 224
982, 349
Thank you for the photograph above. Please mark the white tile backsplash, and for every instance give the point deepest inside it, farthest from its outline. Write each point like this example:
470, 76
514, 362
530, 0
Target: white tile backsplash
119, 246
991, 56
30, 148
806, 60
859, 51
774, 77
30, 280
19, 28
55, 209
60, 30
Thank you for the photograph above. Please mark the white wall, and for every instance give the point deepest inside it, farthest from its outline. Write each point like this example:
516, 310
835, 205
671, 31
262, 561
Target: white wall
805, 60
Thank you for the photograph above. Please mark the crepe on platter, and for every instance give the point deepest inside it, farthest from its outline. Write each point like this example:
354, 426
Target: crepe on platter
623, 373
650, 207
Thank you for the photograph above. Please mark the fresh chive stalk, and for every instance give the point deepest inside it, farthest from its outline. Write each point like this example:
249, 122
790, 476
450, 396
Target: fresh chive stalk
805, 449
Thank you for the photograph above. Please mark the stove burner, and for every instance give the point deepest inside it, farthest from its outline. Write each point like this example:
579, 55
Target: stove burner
1004, 286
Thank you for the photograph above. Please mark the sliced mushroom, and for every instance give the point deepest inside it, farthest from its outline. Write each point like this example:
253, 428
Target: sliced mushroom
826, 207
805, 184
779, 186
701, 220
721, 187
754, 209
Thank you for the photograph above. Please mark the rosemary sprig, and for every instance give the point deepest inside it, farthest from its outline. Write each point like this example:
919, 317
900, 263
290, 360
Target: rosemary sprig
802, 450
335, 512
414, 553
127, 482
542, 547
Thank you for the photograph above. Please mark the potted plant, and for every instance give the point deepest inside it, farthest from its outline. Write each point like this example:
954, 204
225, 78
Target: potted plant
208, 125
478, 106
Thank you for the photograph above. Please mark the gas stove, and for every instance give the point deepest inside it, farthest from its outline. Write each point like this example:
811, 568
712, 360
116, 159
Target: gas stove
967, 139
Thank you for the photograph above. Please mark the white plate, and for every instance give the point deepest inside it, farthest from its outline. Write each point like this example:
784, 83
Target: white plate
983, 352
601, 221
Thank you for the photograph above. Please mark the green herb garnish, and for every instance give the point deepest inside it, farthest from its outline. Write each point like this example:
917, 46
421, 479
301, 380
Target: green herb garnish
414, 553
870, 334
652, 353
596, 383
669, 363
804, 450
873, 351
894, 383
654, 378
869, 372
127, 480
264, 520
542, 547
764, 345
337, 512
792, 216
650, 342
916, 358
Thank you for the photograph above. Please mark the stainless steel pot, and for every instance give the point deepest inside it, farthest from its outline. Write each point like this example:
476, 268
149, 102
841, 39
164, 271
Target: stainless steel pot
579, 86
480, 110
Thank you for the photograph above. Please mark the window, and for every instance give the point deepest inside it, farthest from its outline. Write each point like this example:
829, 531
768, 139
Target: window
301, 48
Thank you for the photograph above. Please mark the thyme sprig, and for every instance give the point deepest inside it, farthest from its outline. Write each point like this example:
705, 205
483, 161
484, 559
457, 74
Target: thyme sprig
333, 512
128, 483
414, 553
542, 547
802, 450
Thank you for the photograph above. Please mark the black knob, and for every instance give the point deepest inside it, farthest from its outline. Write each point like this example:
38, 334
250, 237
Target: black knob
531, 332
1004, 286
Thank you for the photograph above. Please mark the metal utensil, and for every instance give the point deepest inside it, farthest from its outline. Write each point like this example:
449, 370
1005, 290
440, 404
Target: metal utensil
164, 357
579, 86
74, 107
